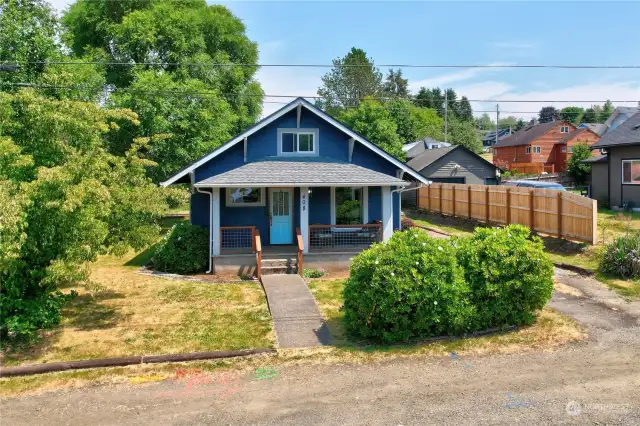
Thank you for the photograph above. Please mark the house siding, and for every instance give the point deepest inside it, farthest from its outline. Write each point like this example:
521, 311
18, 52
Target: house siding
600, 183
620, 193
246, 216
375, 203
199, 209
472, 168
320, 206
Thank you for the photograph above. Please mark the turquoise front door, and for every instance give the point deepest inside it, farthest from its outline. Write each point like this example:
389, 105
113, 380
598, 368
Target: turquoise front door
281, 215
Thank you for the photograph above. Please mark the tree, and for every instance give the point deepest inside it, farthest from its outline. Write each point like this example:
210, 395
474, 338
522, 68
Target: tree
572, 114
27, 34
351, 79
395, 85
507, 122
465, 112
548, 113
175, 35
372, 120
607, 110
591, 115
431, 98
414, 123
65, 200
464, 133
575, 168
484, 122
520, 124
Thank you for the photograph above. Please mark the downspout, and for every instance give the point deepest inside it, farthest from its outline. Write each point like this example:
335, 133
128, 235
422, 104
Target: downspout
210, 224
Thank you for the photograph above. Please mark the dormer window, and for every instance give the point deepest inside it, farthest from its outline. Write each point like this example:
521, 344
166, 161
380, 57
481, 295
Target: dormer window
298, 142
564, 129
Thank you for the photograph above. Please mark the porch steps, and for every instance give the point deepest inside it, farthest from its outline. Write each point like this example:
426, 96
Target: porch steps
279, 265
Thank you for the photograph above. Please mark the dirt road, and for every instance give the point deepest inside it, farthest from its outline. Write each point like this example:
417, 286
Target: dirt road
593, 382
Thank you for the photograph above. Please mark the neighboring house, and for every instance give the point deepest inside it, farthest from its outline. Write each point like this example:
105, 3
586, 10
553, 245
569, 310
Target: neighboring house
548, 144
455, 164
615, 175
414, 149
298, 168
617, 117
596, 128
489, 139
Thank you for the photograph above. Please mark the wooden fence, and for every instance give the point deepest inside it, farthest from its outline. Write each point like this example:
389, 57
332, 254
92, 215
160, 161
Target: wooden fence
532, 168
548, 211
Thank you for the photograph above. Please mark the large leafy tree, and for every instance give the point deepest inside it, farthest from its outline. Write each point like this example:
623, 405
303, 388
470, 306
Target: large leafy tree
352, 78
431, 98
372, 120
193, 42
484, 122
572, 114
414, 123
394, 85
464, 133
66, 200
27, 34
548, 113
575, 168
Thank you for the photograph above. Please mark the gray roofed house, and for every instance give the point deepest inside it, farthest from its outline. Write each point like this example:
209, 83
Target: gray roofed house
414, 149
297, 183
615, 175
597, 128
455, 164
619, 116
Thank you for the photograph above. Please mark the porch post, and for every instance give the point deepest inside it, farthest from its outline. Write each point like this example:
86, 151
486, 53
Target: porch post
387, 213
215, 221
365, 204
304, 216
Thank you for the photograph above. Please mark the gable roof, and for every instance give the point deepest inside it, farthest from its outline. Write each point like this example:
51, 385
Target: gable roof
597, 128
282, 171
628, 133
620, 110
430, 156
528, 134
418, 147
281, 112
577, 132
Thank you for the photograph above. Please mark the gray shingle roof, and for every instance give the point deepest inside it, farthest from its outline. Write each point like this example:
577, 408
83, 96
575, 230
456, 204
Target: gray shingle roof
305, 171
628, 133
594, 127
428, 156
598, 159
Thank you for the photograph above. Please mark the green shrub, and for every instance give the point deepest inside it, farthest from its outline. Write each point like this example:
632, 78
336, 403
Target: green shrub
508, 274
410, 287
621, 258
312, 273
177, 196
184, 250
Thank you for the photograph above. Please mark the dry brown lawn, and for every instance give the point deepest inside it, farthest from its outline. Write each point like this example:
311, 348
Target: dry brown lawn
122, 313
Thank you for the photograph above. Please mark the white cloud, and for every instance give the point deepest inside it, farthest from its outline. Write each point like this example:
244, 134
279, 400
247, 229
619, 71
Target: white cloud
463, 75
600, 92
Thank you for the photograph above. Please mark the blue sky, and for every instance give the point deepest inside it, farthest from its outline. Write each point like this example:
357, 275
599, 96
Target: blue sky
443, 33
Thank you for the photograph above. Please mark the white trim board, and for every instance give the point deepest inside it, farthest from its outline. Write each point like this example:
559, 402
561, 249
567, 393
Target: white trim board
284, 110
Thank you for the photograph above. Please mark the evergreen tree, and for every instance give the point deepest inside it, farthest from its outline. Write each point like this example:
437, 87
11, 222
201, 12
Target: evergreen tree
465, 112
607, 110
590, 116
395, 85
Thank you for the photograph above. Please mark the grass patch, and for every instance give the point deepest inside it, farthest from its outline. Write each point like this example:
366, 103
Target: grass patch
450, 224
121, 313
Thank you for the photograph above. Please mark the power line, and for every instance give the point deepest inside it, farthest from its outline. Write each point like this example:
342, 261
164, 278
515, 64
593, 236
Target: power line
389, 98
277, 65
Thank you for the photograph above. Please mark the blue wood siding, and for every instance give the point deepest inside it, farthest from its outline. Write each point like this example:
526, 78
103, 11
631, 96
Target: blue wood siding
245, 216
396, 210
375, 203
199, 209
320, 206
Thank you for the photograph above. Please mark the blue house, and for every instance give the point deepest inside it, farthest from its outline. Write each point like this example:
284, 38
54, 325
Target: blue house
296, 172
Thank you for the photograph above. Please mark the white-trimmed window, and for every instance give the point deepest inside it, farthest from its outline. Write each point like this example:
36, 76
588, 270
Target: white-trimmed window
564, 129
302, 142
245, 197
570, 149
564, 148
527, 150
536, 150
631, 172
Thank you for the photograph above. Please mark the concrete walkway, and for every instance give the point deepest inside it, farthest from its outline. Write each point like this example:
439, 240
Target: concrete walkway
296, 317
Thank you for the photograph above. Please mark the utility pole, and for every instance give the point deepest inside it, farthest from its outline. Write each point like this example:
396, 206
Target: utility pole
446, 109
497, 119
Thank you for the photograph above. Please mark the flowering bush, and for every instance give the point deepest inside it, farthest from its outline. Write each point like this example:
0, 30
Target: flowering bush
409, 287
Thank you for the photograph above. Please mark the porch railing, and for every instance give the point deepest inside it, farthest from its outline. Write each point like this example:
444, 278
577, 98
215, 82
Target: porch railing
300, 250
237, 239
343, 237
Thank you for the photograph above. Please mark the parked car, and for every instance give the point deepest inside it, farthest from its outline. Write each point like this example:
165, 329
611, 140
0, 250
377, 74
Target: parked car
535, 184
